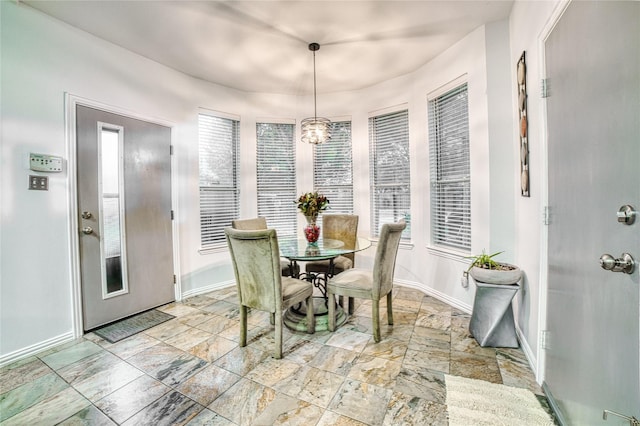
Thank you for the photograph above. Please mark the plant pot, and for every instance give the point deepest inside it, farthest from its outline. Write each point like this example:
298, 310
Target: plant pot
497, 276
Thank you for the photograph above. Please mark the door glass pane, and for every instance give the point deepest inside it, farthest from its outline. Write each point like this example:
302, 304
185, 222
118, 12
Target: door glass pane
111, 206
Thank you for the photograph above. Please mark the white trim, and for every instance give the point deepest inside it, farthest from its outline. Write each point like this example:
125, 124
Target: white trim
449, 254
275, 120
209, 288
36, 348
219, 114
389, 110
436, 294
539, 369
526, 349
71, 102
446, 87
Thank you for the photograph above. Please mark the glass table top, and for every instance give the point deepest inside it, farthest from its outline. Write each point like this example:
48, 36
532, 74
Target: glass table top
299, 249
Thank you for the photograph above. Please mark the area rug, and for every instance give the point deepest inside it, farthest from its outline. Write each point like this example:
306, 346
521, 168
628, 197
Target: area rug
132, 325
478, 403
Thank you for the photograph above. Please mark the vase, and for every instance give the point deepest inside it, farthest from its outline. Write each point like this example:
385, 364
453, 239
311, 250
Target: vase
312, 231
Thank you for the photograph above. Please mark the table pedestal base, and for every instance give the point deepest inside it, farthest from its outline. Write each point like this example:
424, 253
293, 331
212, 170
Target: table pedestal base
295, 318
492, 318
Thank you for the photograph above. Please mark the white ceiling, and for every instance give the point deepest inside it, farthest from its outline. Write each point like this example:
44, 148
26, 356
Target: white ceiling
262, 46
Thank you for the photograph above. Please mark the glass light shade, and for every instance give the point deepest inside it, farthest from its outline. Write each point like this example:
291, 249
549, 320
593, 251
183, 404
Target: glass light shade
316, 130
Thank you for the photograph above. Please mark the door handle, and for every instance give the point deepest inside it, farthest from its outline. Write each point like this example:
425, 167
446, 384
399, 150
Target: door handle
625, 263
87, 230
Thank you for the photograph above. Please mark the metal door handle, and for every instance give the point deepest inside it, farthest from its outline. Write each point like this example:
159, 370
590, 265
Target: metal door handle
87, 230
86, 215
627, 214
624, 264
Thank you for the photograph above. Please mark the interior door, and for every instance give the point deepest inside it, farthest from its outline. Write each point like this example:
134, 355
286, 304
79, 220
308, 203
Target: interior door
124, 203
593, 114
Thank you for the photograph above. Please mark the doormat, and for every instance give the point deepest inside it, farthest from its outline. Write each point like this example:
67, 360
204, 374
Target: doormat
476, 402
117, 331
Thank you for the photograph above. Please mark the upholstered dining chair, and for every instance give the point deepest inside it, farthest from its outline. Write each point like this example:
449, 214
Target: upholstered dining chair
261, 223
256, 265
341, 227
370, 284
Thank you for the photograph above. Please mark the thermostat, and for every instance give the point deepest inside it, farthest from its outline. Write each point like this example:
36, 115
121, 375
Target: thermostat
45, 163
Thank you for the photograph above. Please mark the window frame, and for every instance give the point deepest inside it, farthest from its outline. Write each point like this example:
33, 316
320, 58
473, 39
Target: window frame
212, 237
460, 182
340, 195
281, 187
378, 143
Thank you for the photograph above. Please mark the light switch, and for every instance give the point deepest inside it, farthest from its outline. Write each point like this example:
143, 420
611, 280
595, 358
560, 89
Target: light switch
39, 183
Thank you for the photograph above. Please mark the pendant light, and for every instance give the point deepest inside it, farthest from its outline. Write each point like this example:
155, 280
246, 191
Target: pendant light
315, 130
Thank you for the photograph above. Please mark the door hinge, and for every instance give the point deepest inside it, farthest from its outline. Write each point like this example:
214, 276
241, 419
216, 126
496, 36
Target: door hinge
546, 216
544, 339
170, 149
544, 88
171, 214
174, 278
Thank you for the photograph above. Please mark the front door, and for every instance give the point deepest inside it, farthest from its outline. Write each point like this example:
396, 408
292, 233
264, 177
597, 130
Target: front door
124, 209
593, 113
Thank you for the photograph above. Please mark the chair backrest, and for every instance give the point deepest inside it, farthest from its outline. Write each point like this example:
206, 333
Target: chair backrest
250, 224
342, 227
256, 263
385, 260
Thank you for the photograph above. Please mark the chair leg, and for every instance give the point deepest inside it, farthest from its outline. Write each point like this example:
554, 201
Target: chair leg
331, 313
311, 318
278, 333
243, 326
352, 305
272, 318
376, 319
389, 309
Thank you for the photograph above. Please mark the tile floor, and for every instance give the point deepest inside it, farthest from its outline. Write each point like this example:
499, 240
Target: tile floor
190, 370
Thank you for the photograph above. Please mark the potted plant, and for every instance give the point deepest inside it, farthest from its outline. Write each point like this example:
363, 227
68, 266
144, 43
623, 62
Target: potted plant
486, 270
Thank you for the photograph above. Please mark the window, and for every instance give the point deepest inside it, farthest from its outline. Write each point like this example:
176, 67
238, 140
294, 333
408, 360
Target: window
277, 176
218, 140
389, 168
450, 172
333, 169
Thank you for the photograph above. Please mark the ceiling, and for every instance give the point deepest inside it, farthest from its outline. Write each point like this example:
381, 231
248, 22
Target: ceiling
262, 46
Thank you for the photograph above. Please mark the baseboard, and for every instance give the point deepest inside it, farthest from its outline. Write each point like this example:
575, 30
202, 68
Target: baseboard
207, 289
554, 405
436, 294
35, 348
524, 345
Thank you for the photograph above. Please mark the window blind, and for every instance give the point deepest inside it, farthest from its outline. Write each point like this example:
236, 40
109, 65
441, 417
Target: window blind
450, 171
333, 169
276, 173
218, 141
390, 171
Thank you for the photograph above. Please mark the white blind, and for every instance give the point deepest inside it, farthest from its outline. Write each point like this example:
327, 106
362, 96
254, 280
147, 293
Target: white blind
218, 140
450, 171
389, 168
277, 176
333, 169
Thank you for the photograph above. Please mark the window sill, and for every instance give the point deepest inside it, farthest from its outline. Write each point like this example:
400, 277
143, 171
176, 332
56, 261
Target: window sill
404, 245
449, 254
212, 250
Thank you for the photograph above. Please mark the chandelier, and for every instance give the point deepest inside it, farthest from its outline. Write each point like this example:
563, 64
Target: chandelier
315, 130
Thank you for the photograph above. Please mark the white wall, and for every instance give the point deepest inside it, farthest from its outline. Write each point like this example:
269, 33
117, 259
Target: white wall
43, 58
528, 24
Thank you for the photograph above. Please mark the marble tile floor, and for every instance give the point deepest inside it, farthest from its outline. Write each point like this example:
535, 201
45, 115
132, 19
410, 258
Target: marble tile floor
191, 371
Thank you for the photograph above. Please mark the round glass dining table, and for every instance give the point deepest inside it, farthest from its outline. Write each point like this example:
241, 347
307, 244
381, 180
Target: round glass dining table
299, 250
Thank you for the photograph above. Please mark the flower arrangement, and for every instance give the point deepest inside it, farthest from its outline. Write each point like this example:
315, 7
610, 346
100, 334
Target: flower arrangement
312, 203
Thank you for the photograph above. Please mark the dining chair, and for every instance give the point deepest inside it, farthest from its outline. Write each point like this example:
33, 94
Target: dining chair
256, 265
370, 284
261, 223
341, 227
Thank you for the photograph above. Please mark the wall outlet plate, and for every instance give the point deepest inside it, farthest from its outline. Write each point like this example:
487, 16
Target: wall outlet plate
39, 183
45, 163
